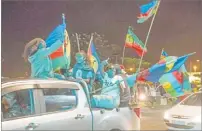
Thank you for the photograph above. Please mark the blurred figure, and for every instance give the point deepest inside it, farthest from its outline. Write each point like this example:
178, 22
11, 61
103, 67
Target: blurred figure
125, 95
152, 96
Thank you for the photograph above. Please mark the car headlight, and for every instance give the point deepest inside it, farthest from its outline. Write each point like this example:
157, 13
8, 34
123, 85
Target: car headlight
197, 119
166, 115
142, 97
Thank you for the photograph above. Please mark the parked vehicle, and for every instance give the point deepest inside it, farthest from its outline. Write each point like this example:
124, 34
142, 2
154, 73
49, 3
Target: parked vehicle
186, 115
59, 105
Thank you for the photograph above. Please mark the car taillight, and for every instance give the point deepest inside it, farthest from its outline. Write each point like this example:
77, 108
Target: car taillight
137, 111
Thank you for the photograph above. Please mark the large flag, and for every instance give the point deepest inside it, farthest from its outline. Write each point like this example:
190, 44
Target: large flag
132, 41
93, 57
147, 10
175, 83
61, 57
154, 73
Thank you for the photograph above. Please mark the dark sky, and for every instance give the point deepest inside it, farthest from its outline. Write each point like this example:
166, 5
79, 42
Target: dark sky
177, 27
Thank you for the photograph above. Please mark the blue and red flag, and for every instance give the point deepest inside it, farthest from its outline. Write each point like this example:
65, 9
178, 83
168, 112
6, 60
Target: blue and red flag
154, 73
61, 57
147, 10
175, 83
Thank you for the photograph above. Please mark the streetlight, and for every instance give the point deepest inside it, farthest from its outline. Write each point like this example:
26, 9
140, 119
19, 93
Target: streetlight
195, 67
200, 65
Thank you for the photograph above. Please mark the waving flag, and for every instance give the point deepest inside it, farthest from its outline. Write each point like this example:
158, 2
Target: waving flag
61, 57
147, 10
154, 73
93, 57
132, 41
175, 83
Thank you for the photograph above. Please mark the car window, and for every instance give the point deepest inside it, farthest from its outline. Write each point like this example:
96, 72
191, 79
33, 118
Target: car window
17, 104
59, 99
193, 100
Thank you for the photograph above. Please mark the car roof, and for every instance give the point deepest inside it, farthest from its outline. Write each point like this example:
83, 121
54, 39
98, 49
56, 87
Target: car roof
10, 82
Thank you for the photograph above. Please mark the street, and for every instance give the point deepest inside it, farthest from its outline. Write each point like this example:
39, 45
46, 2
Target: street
152, 119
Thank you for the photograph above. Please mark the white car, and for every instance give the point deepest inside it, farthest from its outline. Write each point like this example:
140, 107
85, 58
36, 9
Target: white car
59, 105
186, 115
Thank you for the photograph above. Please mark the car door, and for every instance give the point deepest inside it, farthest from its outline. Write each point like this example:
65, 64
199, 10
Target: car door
62, 107
19, 106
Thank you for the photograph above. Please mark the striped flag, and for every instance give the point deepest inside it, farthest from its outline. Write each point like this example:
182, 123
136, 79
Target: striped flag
61, 57
155, 72
147, 10
132, 41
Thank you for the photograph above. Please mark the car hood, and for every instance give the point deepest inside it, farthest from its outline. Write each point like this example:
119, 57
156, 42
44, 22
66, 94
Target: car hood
185, 110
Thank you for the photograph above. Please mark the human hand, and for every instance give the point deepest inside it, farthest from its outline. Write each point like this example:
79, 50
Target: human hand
106, 61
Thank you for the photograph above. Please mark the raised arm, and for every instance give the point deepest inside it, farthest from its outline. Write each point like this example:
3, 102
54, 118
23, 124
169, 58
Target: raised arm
103, 64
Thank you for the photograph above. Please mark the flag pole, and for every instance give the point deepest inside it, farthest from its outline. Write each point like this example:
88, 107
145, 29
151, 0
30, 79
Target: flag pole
77, 40
161, 52
91, 39
123, 53
148, 35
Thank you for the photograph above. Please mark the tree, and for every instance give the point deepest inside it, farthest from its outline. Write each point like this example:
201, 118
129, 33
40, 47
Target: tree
134, 63
104, 49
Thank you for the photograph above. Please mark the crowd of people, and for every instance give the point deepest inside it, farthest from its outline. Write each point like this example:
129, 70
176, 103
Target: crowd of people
114, 89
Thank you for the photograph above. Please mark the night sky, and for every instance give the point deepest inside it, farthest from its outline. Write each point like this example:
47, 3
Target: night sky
177, 27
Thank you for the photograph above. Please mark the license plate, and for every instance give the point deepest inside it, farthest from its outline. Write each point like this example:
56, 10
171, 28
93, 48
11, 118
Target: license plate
178, 122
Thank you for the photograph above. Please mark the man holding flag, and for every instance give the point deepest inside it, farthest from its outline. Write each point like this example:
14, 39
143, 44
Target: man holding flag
38, 54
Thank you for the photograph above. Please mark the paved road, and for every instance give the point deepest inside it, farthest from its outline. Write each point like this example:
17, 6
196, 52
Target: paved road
152, 119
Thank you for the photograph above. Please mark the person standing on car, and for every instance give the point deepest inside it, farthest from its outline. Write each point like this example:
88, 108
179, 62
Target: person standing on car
82, 70
38, 55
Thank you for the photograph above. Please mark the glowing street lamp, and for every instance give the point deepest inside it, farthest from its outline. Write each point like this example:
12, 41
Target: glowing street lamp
195, 67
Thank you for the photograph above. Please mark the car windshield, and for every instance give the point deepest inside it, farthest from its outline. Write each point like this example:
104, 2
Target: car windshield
193, 100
